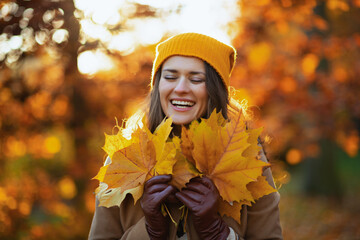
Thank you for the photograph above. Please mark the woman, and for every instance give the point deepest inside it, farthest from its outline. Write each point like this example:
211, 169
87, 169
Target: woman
190, 79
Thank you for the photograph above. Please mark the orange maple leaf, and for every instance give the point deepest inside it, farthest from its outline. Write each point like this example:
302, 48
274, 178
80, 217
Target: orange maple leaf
187, 146
183, 171
258, 189
131, 165
232, 210
227, 155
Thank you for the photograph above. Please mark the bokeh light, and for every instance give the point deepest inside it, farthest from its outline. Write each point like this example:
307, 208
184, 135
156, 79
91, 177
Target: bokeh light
208, 17
90, 62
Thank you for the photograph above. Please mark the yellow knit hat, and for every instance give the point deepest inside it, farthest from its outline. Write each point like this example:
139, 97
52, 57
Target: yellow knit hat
219, 55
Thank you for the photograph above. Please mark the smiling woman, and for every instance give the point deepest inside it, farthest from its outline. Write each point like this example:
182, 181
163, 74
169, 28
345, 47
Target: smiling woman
190, 77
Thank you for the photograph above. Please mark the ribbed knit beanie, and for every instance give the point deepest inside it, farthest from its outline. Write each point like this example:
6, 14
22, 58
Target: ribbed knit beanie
219, 55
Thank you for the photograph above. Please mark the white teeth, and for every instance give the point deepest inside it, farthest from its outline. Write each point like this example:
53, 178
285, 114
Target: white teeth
182, 103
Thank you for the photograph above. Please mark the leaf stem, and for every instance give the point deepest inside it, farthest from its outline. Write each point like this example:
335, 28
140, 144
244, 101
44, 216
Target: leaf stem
184, 214
163, 206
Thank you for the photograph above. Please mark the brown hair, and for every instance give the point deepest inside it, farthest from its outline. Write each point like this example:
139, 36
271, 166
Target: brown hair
155, 114
216, 89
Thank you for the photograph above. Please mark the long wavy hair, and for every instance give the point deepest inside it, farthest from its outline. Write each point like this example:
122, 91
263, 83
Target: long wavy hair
216, 89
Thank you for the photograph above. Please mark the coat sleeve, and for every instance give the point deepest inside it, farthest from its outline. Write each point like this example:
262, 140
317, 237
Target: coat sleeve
124, 222
263, 220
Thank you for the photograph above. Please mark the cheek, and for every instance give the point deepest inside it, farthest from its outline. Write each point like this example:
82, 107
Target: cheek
203, 98
163, 92
204, 95
163, 87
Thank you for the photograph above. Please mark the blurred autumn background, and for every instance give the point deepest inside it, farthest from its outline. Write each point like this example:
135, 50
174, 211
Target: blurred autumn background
68, 68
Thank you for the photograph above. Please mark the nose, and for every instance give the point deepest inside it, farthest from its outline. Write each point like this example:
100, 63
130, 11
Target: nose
182, 86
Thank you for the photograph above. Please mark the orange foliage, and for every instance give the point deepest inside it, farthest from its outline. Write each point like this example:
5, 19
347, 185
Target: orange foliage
298, 64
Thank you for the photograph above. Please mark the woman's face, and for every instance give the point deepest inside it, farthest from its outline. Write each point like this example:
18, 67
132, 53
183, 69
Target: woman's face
182, 89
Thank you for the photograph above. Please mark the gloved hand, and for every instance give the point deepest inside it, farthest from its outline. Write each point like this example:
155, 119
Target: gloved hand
202, 198
156, 191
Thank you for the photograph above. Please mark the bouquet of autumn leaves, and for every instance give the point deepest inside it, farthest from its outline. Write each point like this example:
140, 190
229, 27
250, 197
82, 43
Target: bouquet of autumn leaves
224, 151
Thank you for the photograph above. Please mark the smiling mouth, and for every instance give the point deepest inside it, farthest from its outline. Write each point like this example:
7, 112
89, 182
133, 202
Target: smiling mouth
182, 104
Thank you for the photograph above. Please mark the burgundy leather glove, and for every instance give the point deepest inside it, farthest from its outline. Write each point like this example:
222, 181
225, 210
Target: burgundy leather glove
156, 191
202, 198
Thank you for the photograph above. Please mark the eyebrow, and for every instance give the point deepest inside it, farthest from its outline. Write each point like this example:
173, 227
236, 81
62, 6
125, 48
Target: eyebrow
175, 71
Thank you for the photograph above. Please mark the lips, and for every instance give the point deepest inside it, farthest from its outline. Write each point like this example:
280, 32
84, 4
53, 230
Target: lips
182, 103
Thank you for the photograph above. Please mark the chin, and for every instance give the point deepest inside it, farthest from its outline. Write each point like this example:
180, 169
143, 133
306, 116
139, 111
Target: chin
181, 121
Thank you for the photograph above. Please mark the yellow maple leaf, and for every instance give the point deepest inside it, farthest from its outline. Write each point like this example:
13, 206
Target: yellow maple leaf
187, 145
101, 174
215, 120
115, 142
142, 157
260, 188
162, 133
131, 165
166, 161
183, 171
231, 210
114, 196
225, 154
165, 150
253, 149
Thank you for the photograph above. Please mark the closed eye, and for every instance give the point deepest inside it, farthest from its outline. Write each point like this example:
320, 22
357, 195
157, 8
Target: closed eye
170, 77
197, 80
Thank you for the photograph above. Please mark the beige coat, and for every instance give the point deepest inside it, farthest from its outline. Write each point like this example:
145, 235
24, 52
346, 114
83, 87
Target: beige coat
260, 221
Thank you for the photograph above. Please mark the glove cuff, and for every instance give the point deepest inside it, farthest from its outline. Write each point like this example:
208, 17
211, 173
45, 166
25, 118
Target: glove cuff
156, 234
218, 230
